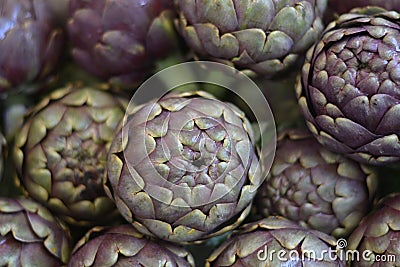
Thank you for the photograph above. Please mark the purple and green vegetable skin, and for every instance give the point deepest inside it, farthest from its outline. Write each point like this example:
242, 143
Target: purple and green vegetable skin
124, 246
276, 241
184, 168
378, 235
31, 236
342, 6
120, 40
263, 36
349, 89
31, 43
61, 152
316, 188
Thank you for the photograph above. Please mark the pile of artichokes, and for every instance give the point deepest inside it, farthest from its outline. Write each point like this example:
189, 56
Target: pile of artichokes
104, 163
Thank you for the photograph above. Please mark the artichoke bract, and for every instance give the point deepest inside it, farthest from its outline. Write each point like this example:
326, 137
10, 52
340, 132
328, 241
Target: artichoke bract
265, 36
31, 42
124, 246
31, 236
341, 6
348, 89
276, 241
316, 188
377, 238
61, 152
120, 40
184, 168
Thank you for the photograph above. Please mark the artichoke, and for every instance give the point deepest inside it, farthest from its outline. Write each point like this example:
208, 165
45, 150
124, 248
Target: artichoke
184, 168
61, 152
120, 40
276, 241
31, 236
377, 238
264, 36
341, 6
30, 43
124, 246
315, 187
349, 86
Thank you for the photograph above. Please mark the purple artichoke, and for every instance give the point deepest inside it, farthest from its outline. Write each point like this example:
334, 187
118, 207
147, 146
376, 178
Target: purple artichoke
31, 236
377, 238
276, 241
120, 40
341, 6
316, 188
184, 168
124, 246
349, 90
31, 42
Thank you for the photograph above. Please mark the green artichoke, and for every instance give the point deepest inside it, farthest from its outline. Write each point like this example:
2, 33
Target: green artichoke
276, 241
120, 40
184, 168
61, 152
377, 238
348, 90
124, 246
263, 36
31, 42
31, 236
315, 187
